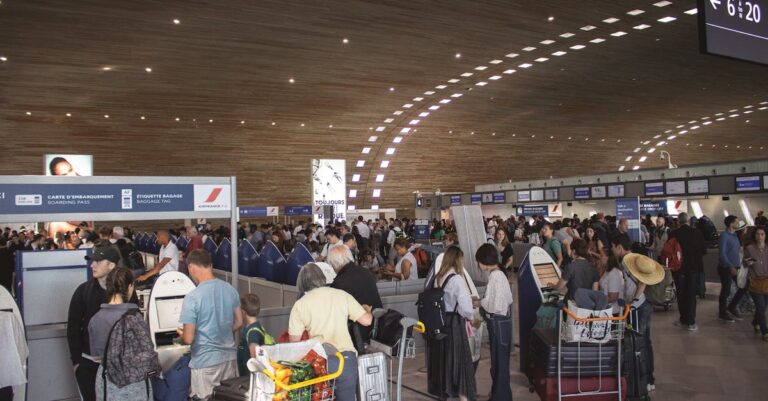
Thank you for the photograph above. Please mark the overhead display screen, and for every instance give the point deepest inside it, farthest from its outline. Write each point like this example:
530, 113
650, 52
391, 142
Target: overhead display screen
523, 196
654, 188
616, 191
675, 187
598, 192
537, 195
748, 184
698, 186
734, 28
551, 194
581, 193
765, 182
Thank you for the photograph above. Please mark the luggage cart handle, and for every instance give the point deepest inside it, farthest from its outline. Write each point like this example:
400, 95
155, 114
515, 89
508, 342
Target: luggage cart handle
310, 382
598, 319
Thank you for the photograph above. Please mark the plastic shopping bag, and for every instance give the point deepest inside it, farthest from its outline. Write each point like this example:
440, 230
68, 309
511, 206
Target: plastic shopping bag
592, 332
291, 352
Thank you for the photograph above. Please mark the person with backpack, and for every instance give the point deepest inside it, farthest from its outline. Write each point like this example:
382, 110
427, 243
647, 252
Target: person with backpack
86, 302
450, 371
253, 334
119, 338
692, 250
210, 316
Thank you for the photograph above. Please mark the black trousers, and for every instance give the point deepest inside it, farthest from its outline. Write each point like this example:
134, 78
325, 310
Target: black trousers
86, 379
726, 278
687, 284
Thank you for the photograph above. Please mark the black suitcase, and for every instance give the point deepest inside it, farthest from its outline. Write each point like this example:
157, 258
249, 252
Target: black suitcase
636, 369
232, 389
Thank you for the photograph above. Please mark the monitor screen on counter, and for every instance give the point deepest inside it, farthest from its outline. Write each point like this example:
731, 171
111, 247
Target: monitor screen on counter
169, 312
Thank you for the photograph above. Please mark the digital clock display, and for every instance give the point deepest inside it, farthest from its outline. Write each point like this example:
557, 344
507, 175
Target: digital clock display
734, 28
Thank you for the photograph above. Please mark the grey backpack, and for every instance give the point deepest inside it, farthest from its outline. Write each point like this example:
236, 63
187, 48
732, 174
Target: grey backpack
129, 356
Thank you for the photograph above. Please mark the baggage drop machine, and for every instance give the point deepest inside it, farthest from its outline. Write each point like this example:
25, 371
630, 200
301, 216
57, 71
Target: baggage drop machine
163, 313
537, 277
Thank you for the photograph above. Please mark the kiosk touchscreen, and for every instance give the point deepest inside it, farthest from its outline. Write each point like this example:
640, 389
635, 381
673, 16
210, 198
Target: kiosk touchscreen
163, 313
537, 277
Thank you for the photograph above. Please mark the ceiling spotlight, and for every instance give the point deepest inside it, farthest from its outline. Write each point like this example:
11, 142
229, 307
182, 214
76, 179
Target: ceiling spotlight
176, 21
274, 123
291, 80
345, 41
210, 121
178, 119
391, 88
242, 122
143, 118
29, 113
551, 18
69, 114
106, 115
106, 68
458, 55
3, 58
302, 124
330, 125
148, 69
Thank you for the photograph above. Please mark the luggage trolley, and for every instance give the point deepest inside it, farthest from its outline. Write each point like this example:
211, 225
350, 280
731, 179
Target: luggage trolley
614, 327
373, 375
320, 388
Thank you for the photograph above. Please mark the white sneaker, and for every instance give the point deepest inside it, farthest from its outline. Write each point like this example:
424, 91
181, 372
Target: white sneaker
693, 327
651, 387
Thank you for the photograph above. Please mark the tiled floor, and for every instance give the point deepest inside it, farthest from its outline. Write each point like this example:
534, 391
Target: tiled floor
720, 362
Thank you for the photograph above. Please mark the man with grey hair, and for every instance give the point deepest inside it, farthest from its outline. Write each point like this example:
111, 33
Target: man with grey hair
118, 233
355, 280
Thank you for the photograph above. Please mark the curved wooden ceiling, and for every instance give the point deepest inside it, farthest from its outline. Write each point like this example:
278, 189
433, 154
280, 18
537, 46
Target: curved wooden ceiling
224, 72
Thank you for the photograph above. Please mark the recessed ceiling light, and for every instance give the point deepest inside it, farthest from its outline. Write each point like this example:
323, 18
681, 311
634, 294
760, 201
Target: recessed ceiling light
390, 151
495, 78
566, 35
69, 114
587, 28
635, 12
302, 124
176, 21
445, 101
529, 49
376, 193
525, 65
143, 118
414, 122
408, 105
360, 163
243, 122
291, 80
495, 61
106, 68
405, 130
547, 42
373, 138
618, 33
441, 87
508, 72
433, 108
662, 4
458, 55
628, 158
384, 163
274, 123
424, 114
379, 177
480, 68
611, 20
511, 55
391, 88
666, 19
397, 112
641, 27
211, 120
106, 115
380, 129
577, 47
3, 58
148, 69
692, 11
621, 168
29, 113
597, 40
636, 150
453, 81
636, 168
366, 150
551, 18
355, 177
541, 59
651, 150
178, 119
352, 193
345, 41
559, 53
397, 139
643, 158
481, 83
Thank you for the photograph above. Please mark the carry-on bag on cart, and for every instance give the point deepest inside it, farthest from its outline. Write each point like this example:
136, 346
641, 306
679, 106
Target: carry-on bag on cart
235, 389
590, 388
373, 377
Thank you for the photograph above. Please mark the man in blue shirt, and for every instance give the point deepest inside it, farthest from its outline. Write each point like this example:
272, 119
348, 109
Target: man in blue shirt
210, 315
728, 268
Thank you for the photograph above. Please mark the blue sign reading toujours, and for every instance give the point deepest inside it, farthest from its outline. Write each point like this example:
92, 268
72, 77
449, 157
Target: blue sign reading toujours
95, 198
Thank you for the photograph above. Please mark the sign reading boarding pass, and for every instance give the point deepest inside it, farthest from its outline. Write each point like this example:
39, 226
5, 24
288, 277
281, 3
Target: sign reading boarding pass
22, 199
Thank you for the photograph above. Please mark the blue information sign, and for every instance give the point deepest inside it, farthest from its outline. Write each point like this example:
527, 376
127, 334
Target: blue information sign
455, 200
581, 193
654, 188
629, 208
747, 184
530, 210
499, 197
476, 199
253, 211
421, 231
298, 210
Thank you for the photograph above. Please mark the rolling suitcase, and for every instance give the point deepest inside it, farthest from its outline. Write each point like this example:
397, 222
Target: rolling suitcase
373, 379
545, 387
235, 389
636, 366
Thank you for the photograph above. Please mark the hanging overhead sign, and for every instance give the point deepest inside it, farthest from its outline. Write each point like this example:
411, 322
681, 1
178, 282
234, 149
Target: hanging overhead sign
455, 200
252, 211
329, 187
298, 210
476, 199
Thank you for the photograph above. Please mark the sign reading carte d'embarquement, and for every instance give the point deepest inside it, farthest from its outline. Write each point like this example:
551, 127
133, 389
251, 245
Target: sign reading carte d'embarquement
112, 198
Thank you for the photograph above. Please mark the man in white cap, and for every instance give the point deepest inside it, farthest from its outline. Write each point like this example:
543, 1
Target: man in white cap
639, 271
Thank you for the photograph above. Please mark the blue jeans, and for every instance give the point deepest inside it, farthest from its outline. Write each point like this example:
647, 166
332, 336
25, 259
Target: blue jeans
760, 304
500, 335
346, 384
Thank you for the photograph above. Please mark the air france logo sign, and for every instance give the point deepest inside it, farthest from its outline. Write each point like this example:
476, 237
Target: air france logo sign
212, 197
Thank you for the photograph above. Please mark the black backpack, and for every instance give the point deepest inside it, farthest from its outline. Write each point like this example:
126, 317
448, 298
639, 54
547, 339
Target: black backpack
431, 309
129, 356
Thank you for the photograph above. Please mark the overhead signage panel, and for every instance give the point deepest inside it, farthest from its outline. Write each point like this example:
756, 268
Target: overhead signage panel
700, 186
616, 191
581, 193
298, 210
455, 200
748, 184
476, 199
654, 188
499, 197
734, 28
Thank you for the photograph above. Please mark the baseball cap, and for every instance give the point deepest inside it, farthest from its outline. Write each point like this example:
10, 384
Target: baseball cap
104, 252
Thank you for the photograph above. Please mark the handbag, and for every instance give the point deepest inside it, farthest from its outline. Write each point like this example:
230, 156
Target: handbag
758, 285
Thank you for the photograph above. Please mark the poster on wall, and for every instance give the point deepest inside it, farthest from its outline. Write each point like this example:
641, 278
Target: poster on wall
329, 187
677, 206
629, 208
68, 165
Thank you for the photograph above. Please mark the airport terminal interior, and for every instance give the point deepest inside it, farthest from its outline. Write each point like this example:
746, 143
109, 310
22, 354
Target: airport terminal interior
383, 200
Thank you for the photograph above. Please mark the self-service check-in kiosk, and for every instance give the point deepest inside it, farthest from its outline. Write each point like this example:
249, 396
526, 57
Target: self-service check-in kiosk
164, 312
537, 277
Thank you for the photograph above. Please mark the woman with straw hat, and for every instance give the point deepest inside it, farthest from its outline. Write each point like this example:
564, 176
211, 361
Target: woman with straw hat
639, 272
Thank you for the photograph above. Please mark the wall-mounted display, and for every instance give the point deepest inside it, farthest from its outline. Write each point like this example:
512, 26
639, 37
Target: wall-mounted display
523, 196
488, 198
537, 195
675, 187
476, 199
499, 197
654, 188
698, 186
748, 183
616, 191
551, 194
455, 200
598, 192
71, 165
734, 29
581, 193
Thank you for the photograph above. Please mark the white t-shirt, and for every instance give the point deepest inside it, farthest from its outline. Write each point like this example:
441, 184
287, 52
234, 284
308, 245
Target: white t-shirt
613, 281
414, 274
169, 251
363, 229
328, 247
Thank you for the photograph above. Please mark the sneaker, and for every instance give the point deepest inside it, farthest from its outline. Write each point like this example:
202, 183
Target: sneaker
736, 315
693, 327
726, 317
651, 387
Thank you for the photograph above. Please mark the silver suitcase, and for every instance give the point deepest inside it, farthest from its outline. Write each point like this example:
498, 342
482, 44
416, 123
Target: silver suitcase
373, 377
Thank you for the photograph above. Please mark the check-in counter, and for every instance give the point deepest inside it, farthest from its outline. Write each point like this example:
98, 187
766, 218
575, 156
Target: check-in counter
270, 294
406, 287
387, 288
50, 369
520, 249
